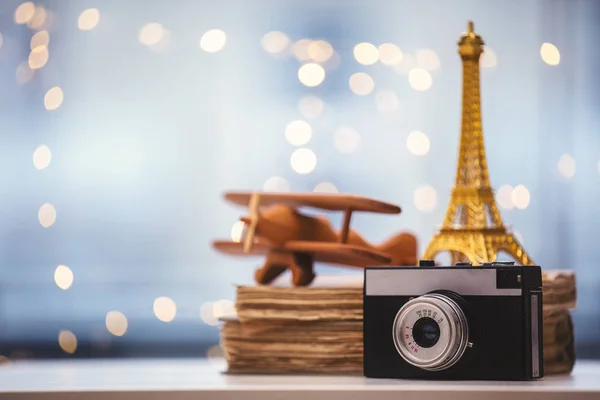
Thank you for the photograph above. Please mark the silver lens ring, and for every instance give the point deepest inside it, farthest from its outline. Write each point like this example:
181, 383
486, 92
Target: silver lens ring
453, 332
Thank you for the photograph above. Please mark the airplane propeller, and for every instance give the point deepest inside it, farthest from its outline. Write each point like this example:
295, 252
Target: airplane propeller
251, 228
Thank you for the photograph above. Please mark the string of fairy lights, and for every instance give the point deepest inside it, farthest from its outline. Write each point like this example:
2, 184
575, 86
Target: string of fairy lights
317, 58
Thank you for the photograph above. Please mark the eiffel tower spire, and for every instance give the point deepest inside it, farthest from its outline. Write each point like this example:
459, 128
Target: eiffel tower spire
471, 173
473, 229
473, 202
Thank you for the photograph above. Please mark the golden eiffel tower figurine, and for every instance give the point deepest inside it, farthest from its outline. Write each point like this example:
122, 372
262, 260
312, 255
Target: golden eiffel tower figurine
473, 230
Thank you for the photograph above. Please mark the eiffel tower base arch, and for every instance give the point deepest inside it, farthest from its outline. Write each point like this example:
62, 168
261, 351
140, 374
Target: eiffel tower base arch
476, 247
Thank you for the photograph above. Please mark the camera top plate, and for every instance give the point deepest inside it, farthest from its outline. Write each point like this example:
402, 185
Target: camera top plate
431, 263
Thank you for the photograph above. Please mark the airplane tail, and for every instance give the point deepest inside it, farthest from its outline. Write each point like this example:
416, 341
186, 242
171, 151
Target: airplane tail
402, 248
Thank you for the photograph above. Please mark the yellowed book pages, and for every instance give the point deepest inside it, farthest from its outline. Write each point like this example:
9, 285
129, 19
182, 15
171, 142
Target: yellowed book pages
336, 347
339, 297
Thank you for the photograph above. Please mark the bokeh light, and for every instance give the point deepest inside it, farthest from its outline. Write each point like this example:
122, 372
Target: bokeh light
319, 51
325, 187
303, 161
67, 341
47, 215
237, 231
298, 132
566, 166
207, 314
417, 143
213, 41
519, 236
427, 59
311, 74
151, 33
88, 19
223, 309
300, 49
275, 42
41, 19
521, 197
504, 197
425, 198
276, 184
53, 98
116, 323
38, 57
420, 79
63, 277
488, 58
389, 54
311, 106
41, 38
42, 157
346, 139
24, 73
550, 54
164, 43
366, 53
24, 12
361, 83
165, 309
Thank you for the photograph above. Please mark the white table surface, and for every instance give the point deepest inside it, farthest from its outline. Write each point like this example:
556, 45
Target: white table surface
202, 379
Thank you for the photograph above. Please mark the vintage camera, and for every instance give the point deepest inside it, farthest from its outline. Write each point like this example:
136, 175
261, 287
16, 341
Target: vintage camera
455, 322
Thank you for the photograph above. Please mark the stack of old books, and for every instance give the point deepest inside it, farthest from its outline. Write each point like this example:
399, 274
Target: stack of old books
560, 298
282, 329
318, 329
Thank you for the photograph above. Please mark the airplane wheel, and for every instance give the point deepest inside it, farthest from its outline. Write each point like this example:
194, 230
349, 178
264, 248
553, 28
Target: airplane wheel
268, 273
303, 277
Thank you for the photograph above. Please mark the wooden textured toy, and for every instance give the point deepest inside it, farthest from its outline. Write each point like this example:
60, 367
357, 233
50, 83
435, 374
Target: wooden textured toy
292, 240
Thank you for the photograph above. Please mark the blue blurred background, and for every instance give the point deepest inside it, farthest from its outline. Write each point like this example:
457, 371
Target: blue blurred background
123, 122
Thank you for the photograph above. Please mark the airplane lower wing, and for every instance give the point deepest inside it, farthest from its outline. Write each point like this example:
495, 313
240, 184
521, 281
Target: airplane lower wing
339, 253
326, 252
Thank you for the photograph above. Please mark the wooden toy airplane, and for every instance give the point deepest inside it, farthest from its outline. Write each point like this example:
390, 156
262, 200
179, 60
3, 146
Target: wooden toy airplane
292, 240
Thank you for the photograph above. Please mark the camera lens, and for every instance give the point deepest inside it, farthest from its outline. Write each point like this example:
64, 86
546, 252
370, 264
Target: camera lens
426, 332
431, 331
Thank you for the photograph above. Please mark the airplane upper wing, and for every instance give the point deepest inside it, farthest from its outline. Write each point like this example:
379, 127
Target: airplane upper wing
327, 252
325, 201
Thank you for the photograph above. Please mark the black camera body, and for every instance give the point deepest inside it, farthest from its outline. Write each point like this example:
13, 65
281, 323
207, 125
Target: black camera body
453, 323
